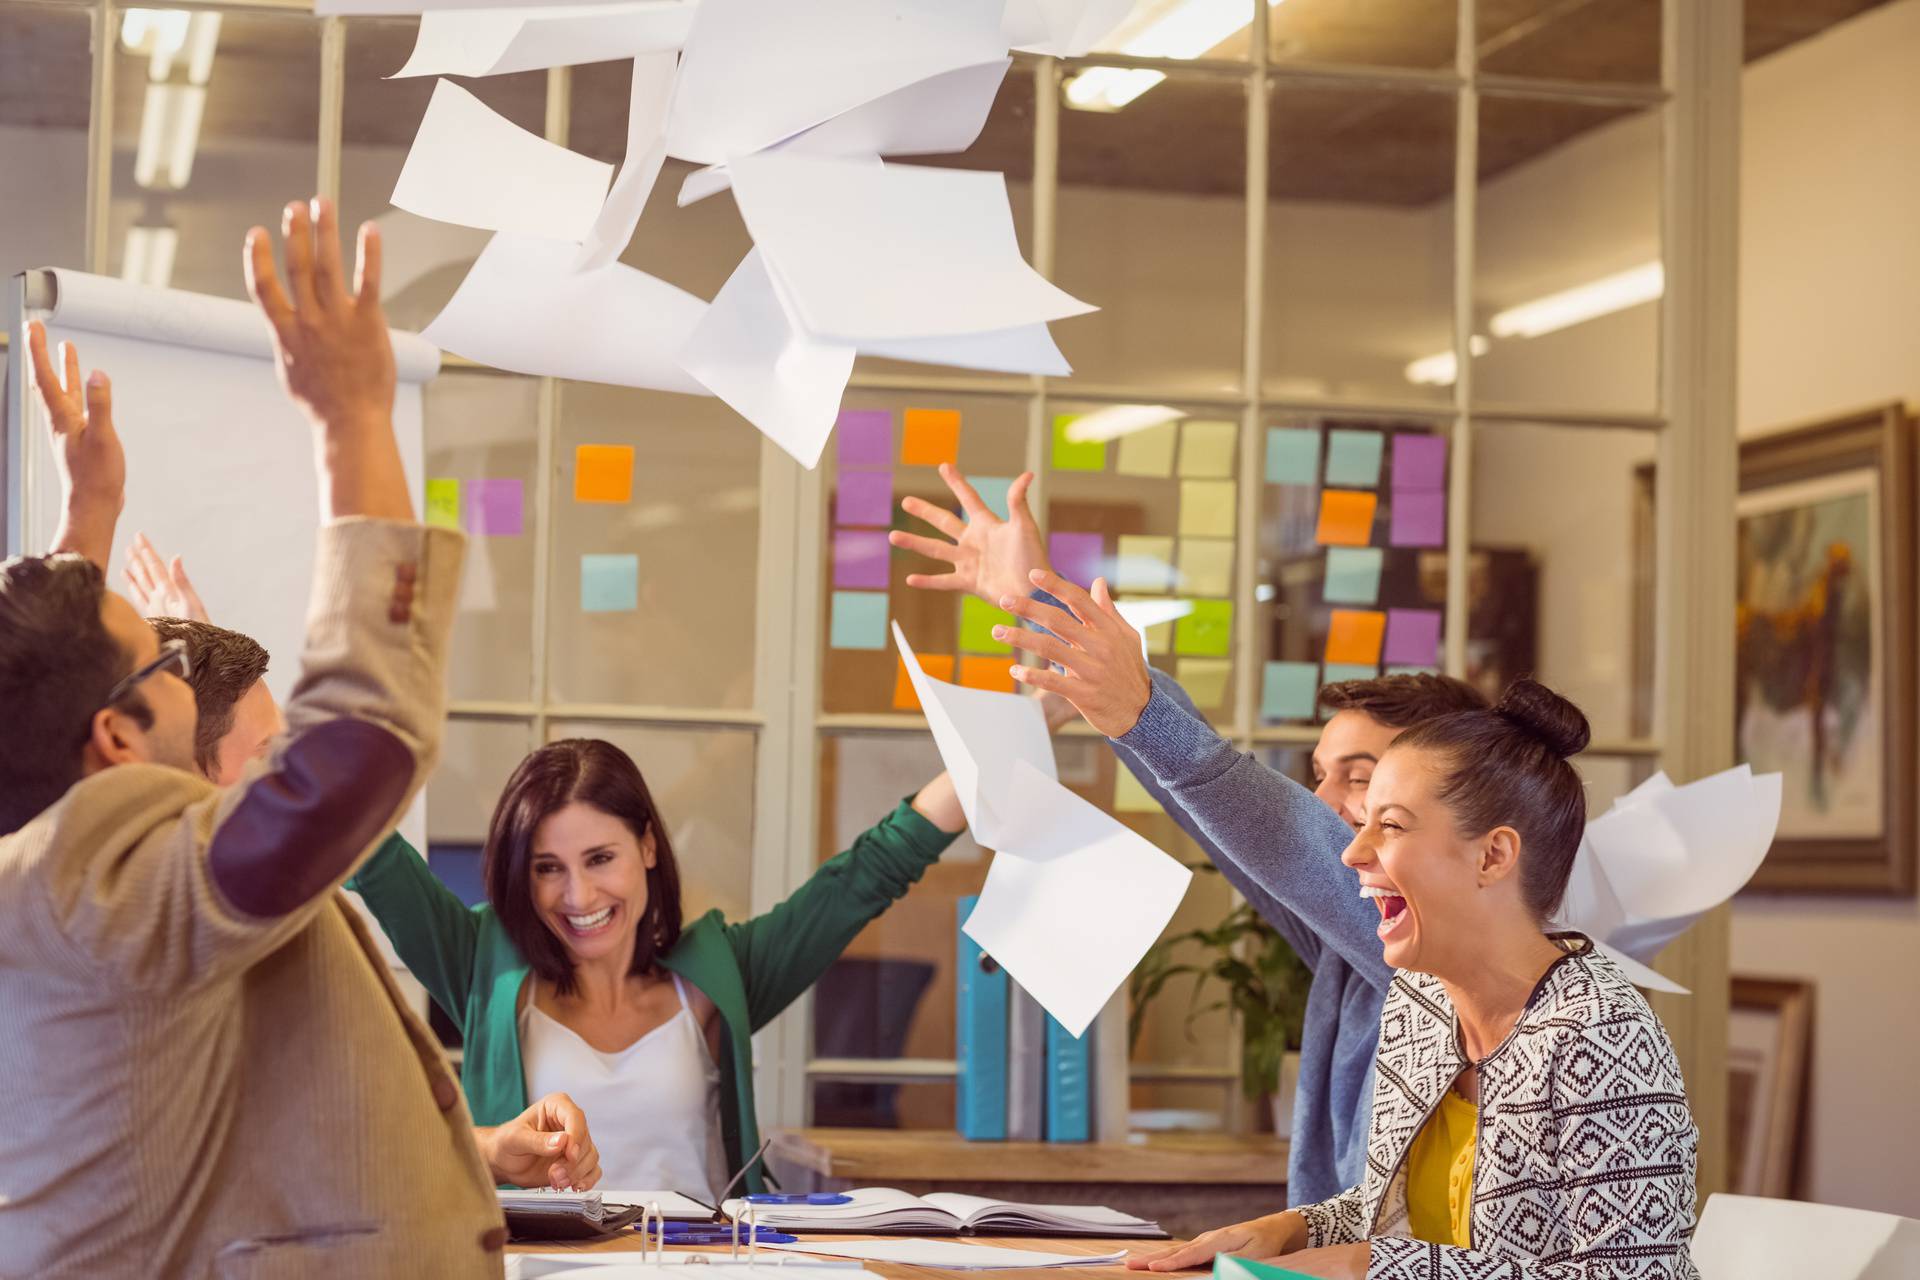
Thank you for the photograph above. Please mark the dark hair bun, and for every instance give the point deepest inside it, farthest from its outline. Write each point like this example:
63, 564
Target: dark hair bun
1546, 715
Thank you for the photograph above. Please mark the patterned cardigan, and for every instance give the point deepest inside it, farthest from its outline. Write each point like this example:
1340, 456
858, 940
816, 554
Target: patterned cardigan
1583, 1167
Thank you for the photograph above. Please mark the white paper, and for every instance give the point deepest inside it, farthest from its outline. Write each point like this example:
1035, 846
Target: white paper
350, 7
643, 1265
524, 309
1644, 976
472, 166
1063, 28
747, 352
1073, 900
1141, 614
1689, 849
670, 1203
496, 42
647, 105
948, 1254
1027, 348
757, 73
1752, 1238
879, 252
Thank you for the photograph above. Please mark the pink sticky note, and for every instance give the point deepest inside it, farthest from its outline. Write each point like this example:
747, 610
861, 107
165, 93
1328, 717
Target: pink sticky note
1075, 556
495, 508
864, 497
864, 438
1413, 638
1419, 462
1419, 519
860, 558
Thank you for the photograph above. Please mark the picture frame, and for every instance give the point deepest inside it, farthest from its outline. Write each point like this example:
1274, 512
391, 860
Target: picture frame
1769, 1043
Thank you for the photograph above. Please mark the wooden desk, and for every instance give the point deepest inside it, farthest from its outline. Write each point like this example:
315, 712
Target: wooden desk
629, 1243
1187, 1182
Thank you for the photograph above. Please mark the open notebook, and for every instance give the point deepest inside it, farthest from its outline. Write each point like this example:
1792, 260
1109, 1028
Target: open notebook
882, 1210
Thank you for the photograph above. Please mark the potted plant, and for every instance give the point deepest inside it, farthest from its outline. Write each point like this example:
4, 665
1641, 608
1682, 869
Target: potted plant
1265, 988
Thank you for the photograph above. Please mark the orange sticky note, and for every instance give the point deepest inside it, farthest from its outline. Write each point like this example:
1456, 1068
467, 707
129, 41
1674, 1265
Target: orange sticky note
1346, 518
930, 437
937, 665
986, 673
603, 473
1355, 635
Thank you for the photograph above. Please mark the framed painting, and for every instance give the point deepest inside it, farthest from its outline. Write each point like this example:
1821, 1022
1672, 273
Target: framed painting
1769, 1035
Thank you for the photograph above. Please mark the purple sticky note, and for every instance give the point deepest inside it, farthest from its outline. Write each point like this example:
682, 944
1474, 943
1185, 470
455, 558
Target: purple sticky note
1413, 638
865, 497
1076, 556
494, 508
1419, 519
860, 558
1419, 462
865, 438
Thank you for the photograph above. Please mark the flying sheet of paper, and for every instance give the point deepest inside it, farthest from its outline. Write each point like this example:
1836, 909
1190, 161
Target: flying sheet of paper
948, 1254
1640, 975
1141, 614
1073, 900
497, 42
523, 308
1064, 28
472, 166
870, 251
359, 7
937, 116
650, 97
748, 353
756, 74
1689, 849
1751, 1238
1027, 348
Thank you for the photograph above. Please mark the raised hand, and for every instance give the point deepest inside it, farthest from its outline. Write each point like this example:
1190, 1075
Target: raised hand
160, 588
1105, 677
86, 449
991, 557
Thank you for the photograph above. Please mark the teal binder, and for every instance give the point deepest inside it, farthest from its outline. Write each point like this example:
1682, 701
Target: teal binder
980, 1040
1228, 1267
1069, 1085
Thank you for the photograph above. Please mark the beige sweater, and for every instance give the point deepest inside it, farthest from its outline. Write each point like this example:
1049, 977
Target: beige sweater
208, 1069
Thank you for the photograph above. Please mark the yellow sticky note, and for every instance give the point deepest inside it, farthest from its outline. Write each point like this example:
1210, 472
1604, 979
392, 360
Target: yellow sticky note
937, 665
1206, 566
1160, 638
1147, 453
1354, 636
1206, 449
1205, 680
929, 437
1128, 795
603, 473
1346, 518
1143, 563
1207, 508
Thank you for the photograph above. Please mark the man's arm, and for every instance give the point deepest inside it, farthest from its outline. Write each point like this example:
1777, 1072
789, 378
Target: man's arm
86, 450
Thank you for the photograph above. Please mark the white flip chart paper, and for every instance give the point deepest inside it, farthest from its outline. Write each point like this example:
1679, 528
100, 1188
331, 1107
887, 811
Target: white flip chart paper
497, 42
1751, 1238
472, 166
948, 1254
868, 252
1064, 28
524, 308
647, 105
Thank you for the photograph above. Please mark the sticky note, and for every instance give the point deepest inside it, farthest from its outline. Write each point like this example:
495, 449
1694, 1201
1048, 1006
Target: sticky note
494, 508
1143, 563
1159, 638
1129, 796
1147, 453
929, 437
1205, 680
987, 673
864, 438
1206, 632
1413, 637
859, 620
603, 473
443, 503
993, 492
1417, 519
977, 621
609, 584
1076, 556
1353, 458
1293, 455
1337, 672
1353, 575
1287, 690
864, 497
1419, 462
1206, 566
860, 558
1346, 518
1206, 449
1207, 508
1076, 455
937, 665
1413, 671
1354, 636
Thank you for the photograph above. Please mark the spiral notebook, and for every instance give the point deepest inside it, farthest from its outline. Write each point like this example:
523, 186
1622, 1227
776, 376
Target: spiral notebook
883, 1210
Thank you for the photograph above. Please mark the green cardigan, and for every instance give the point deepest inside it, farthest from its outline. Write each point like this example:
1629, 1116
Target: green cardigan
750, 971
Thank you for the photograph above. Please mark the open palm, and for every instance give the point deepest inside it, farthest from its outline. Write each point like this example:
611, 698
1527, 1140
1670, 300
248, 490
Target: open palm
991, 557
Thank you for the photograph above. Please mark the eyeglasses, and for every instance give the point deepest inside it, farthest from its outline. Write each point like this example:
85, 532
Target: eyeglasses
173, 658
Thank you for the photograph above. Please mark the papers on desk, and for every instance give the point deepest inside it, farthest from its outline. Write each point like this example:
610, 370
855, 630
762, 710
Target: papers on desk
879, 1210
1750, 1238
948, 1254
670, 1205
661, 1265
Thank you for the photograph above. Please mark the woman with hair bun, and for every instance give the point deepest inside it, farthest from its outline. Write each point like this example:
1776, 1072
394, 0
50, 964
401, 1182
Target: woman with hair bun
1529, 1119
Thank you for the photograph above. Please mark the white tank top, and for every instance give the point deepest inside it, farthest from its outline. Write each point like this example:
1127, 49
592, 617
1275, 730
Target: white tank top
653, 1108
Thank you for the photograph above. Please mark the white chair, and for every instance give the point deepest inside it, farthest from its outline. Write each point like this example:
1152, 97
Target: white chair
1751, 1238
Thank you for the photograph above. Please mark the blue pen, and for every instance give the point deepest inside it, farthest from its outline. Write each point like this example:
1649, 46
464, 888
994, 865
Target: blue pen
815, 1197
706, 1233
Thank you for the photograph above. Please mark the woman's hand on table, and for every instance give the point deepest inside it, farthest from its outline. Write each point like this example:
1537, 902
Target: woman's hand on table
1335, 1262
546, 1145
1276, 1233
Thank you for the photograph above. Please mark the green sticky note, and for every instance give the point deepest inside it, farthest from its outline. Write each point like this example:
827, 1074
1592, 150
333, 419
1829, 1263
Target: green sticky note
609, 584
977, 621
1293, 455
859, 620
1228, 1267
1287, 693
1353, 575
1207, 632
1076, 455
1353, 458
1338, 671
1147, 453
443, 503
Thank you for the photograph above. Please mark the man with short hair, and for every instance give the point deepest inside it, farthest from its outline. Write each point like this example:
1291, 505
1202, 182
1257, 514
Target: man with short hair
238, 716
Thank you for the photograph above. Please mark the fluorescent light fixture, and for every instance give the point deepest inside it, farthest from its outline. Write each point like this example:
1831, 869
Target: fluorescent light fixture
1187, 29
1581, 303
169, 135
203, 37
1119, 420
149, 255
1440, 369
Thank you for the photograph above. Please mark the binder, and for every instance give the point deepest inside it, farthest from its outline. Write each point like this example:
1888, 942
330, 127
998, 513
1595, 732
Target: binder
1026, 1066
1069, 1085
1112, 1092
980, 1040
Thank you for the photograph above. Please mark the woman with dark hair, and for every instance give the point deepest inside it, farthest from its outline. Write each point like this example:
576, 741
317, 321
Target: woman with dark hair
578, 974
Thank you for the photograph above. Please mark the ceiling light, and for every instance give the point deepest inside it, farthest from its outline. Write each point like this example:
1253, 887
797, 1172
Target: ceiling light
149, 256
1118, 420
1189, 29
1585, 302
1440, 369
169, 135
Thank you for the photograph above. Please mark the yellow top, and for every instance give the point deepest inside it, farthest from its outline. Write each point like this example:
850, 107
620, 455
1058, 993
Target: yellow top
1440, 1174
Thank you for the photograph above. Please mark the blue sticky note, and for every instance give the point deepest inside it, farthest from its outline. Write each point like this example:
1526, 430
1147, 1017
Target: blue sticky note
1353, 575
1338, 671
993, 492
1353, 458
1288, 691
609, 584
859, 620
1293, 455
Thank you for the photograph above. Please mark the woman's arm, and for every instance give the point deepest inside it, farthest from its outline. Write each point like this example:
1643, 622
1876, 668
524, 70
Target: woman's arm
434, 932
939, 803
1276, 1233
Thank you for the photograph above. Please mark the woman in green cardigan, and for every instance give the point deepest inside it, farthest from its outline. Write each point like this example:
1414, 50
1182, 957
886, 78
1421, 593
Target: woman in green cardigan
577, 976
